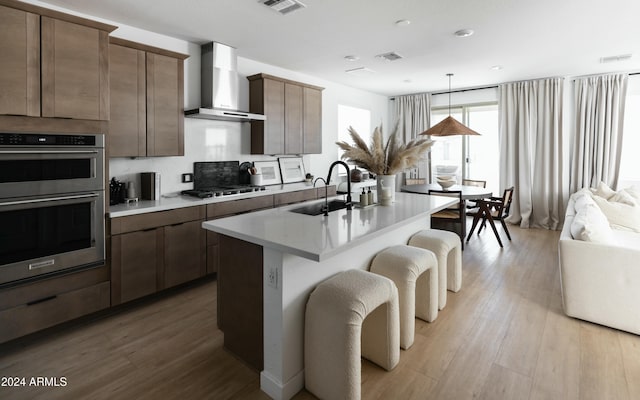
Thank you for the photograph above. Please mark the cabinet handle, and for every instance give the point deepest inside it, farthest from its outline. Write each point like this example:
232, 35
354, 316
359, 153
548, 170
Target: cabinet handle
178, 224
148, 229
31, 303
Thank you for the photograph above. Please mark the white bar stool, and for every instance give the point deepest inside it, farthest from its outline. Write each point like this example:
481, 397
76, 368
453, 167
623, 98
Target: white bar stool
415, 273
352, 314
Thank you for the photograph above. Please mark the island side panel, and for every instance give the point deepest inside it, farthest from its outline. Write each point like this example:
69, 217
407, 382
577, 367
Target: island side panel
240, 299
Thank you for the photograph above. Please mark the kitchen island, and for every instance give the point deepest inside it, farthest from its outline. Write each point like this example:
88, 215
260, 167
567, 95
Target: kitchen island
271, 260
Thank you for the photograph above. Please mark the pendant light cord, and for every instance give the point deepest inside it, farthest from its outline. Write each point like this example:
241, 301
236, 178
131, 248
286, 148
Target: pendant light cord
449, 75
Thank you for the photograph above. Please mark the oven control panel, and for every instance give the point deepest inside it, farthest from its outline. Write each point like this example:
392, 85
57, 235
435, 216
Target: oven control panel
35, 139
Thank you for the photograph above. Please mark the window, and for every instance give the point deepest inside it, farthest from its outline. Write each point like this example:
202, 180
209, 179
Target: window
358, 118
476, 156
629, 161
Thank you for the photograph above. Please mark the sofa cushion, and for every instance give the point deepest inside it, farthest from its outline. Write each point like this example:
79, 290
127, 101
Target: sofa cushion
620, 215
591, 225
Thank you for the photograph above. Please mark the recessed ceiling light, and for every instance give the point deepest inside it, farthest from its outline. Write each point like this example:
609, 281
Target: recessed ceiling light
407, 81
351, 58
403, 22
464, 33
496, 67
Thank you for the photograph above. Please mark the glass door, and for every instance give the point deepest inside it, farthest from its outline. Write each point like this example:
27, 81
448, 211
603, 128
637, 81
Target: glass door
477, 157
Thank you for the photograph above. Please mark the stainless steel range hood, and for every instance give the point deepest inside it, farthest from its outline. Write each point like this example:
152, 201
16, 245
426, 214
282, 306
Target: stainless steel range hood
219, 86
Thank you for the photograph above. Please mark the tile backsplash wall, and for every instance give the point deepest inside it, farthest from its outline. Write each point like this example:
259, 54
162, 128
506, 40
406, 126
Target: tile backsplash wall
203, 141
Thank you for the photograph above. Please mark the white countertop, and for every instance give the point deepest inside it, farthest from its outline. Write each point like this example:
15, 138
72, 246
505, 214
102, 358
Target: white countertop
318, 237
176, 200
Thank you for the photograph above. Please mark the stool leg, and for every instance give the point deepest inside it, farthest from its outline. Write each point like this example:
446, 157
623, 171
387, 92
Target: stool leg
427, 295
454, 270
381, 335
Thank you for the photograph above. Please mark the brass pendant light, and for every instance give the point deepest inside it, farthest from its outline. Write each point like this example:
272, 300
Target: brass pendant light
449, 126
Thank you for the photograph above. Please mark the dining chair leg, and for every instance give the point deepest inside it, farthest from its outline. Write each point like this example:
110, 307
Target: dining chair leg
476, 218
493, 226
505, 228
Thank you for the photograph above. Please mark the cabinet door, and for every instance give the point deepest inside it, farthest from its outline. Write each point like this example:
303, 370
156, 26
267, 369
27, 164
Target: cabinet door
184, 253
293, 119
135, 258
274, 111
128, 124
312, 117
165, 106
20, 62
75, 70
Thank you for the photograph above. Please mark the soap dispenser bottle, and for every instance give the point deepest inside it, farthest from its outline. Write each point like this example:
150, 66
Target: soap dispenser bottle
364, 199
369, 196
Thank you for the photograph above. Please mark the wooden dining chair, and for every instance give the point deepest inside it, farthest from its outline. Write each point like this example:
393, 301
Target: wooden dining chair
472, 206
451, 216
493, 209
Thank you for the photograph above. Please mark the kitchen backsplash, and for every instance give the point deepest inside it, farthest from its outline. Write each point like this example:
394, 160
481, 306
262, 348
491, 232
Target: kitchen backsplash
203, 141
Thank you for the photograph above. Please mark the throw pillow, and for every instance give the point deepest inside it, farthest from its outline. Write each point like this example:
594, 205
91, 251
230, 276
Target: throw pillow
624, 197
620, 215
603, 190
583, 198
591, 225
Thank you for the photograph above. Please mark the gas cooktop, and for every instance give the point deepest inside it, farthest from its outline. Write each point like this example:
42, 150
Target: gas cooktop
218, 191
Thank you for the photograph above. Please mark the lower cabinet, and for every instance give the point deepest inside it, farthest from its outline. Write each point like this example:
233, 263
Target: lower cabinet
184, 253
134, 260
155, 251
34, 306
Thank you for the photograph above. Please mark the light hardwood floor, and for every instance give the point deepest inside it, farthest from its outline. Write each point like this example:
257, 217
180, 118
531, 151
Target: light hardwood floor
503, 336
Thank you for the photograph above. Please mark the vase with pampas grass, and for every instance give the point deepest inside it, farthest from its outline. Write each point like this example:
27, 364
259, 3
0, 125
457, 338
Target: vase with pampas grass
384, 160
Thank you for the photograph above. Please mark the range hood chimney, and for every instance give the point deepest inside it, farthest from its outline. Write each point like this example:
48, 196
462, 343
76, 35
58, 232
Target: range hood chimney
219, 86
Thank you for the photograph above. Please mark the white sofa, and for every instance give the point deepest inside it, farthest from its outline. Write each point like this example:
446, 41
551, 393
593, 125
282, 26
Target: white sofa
600, 266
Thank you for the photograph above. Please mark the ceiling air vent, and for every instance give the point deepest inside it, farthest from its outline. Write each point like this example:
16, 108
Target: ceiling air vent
283, 6
621, 57
391, 56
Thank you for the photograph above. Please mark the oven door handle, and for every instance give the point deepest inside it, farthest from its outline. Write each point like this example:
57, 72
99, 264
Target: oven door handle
48, 151
32, 201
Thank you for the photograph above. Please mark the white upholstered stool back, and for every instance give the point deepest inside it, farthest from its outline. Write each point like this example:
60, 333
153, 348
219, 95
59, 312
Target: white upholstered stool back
352, 314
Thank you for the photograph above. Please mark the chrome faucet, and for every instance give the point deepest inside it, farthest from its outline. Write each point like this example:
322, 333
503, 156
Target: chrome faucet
348, 203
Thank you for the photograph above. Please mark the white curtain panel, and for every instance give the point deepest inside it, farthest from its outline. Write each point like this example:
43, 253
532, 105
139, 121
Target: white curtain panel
413, 116
531, 156
596, 144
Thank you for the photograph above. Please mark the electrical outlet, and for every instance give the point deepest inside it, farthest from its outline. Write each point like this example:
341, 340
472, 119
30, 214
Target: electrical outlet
272, 277
186, 178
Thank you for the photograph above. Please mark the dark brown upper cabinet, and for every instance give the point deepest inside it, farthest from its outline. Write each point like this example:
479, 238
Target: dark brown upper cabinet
147, 101
294, 116
52, 64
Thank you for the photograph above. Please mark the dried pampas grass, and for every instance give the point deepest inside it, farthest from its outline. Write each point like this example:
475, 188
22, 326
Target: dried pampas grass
383, 159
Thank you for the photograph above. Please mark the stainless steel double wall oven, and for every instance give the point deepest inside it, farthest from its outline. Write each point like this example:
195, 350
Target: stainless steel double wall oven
51, 204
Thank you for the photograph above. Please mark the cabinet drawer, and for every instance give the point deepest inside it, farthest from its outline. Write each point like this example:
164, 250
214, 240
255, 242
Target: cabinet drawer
295, 197
156, 219
30, 292
52, 310
239, 206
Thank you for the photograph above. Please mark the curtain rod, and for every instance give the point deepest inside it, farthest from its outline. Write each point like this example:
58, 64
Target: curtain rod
446, 91
482, 87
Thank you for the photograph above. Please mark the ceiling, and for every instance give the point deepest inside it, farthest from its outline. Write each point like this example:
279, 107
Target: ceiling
527, 38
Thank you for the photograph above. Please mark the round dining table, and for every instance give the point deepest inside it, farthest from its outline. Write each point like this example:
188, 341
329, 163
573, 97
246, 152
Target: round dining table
468, 192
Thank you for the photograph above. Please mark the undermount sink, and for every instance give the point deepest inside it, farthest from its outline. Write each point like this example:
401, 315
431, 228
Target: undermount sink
317, 208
